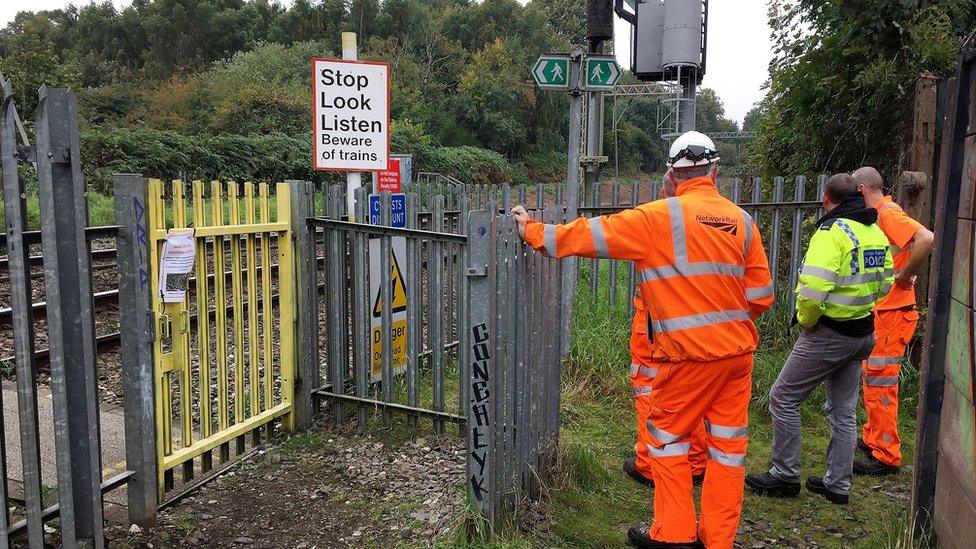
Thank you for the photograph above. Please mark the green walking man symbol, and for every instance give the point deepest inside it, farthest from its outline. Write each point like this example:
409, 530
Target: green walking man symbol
556, 72
597, 75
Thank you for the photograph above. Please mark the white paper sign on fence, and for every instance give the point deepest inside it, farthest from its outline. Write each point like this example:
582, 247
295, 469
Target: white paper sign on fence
176, 264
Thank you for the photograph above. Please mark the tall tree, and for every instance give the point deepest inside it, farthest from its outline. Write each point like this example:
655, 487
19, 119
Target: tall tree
841, 75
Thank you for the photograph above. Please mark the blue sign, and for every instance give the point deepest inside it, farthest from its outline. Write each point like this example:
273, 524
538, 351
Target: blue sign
398, 210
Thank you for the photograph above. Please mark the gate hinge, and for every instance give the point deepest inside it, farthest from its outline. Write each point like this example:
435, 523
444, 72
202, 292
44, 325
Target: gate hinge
60, 155
473, 272
151, 321
26, 154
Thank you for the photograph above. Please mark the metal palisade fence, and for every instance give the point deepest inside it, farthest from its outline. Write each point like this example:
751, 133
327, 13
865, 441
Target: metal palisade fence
784, 210
70, 336
513, 357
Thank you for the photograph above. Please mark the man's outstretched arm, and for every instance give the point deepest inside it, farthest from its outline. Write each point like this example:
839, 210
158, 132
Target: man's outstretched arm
624, 235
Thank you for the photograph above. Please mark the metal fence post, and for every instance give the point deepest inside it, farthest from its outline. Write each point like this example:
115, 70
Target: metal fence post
135, 324
306, 279
479, 355
22, 322
361, 332
67, 275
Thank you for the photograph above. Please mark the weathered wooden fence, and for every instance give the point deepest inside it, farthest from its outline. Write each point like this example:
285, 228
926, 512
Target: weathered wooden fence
944, 495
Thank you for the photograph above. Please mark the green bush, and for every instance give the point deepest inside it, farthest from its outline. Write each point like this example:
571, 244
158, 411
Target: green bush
164, 154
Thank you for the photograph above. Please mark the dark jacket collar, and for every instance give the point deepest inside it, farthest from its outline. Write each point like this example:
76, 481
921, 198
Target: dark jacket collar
853, 208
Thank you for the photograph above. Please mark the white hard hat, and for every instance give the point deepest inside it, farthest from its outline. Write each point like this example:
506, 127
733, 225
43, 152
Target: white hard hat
692, 149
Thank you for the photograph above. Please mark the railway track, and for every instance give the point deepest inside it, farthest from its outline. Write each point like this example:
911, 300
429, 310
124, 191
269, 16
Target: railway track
111, 341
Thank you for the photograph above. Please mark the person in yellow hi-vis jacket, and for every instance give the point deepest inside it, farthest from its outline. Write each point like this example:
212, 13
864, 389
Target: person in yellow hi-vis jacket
846, 271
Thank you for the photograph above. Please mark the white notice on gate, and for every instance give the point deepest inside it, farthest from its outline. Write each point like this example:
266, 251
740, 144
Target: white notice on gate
176, 264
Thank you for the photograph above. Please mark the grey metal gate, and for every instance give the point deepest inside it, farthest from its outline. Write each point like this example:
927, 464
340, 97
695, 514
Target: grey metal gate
513, 356
70, 331
409, 366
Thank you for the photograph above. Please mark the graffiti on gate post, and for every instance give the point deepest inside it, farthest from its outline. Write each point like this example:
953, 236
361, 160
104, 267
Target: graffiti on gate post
480, 427
143, 238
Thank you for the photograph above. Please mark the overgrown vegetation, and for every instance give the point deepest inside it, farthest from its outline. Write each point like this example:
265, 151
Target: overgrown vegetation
221, 88
842, 77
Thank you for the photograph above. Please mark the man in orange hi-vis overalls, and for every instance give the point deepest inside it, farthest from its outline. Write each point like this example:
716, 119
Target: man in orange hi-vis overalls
643, 370
704, 278
894, 325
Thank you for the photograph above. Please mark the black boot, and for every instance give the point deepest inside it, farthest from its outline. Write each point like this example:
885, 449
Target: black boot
871, 466
863, 447
639, 537
817, 486
765, 484
630, 467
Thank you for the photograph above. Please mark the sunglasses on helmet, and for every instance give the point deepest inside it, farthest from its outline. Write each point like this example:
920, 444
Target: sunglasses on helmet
695, 153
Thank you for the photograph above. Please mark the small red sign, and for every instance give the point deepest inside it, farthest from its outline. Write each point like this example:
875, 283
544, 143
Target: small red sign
389, 181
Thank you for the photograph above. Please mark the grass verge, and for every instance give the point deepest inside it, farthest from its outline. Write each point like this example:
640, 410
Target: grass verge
591, 503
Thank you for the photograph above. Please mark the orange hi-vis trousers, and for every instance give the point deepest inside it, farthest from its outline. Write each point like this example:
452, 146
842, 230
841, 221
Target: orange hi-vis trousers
685, 394
643, 370
893, 329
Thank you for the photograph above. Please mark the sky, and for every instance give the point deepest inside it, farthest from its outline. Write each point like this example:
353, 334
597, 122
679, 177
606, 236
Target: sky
739, 47
739, 51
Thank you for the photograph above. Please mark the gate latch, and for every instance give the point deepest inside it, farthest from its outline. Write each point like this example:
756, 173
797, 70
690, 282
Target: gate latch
474, 272
163, 326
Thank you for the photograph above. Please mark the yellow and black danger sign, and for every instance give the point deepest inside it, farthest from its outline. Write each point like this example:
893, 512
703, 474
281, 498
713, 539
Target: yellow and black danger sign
399, 297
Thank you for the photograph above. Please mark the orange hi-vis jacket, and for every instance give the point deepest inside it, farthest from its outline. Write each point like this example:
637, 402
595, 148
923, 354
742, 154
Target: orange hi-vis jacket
704, 273
900, 229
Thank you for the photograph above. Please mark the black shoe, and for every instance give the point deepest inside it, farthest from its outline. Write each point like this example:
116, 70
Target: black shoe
871, 466
630, 467
864, 448
639, 537
817, 486
765, 484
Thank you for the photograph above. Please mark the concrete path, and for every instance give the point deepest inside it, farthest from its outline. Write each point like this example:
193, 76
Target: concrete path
112, 434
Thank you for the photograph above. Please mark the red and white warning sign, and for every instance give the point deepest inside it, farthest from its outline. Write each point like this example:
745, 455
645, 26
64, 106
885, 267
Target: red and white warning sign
388, 181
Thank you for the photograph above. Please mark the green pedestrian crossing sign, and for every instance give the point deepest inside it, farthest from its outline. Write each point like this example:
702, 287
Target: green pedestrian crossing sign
551, 72
602, 72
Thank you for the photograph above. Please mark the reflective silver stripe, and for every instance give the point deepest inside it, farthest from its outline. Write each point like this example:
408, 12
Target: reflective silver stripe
678, 235
863, 278
599, 240
724, 431
838, 299
884, 290
759, 292
732, 460
669, 450
884, 360
699, 320
810, 293
692, 269
660, 434
874, 381
748, 228
642, 391
549, 239
646, 371
819, 272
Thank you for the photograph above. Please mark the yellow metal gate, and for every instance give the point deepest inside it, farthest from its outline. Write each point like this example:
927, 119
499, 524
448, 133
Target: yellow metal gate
225, 355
